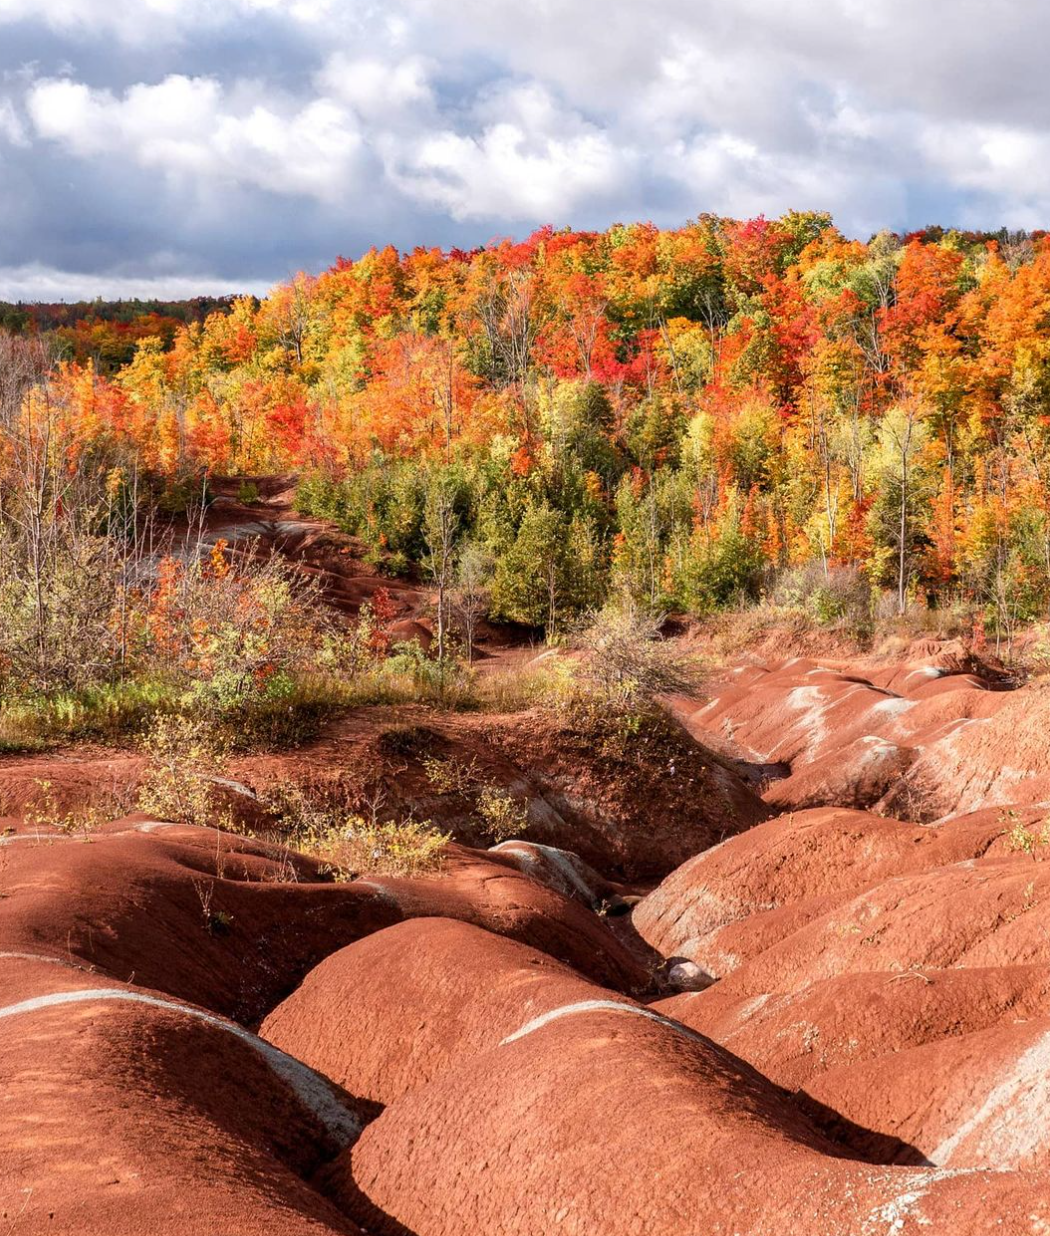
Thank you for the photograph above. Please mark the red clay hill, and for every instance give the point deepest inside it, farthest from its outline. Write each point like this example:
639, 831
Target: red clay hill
806, 992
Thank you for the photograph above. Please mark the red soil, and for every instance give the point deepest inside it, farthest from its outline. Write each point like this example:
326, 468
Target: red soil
633, 819
860, 1018
471, 1051
923, 740
323, 553
459, 988
604, 1121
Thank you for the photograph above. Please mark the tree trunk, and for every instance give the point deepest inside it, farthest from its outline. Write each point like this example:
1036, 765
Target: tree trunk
903, 528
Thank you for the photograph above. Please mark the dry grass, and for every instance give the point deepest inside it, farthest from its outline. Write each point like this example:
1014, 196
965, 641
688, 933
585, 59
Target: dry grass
83, 819
318, 820
520, 688
359, 847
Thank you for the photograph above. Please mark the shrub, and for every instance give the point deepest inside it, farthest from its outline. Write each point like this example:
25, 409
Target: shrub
232, 628
503, 816
720, 572
472, 593
102, 624
288, 712
360, 847
451, 776
446, 683
73, 553
185, 762
626, 662
1038, 653
183, 495
382, 503
838, 595
302, 809
550, 683
317, 819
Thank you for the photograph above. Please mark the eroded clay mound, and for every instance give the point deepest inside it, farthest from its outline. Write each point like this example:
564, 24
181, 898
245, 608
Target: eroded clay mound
470, 1052
199, 914
981, 912
894, 976
738, 898
970, 1100
230, 924
1001, 759
394, 1011
912, 1017
859, 774
859, 1019
126, 1112
921, 740
489, 890
133, 1109
603, 1120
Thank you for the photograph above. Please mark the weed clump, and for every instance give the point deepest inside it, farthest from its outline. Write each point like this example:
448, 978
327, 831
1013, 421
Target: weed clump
500, 814
359, 847
320, 822
184, 768
45, 812
1022, 838
503, 816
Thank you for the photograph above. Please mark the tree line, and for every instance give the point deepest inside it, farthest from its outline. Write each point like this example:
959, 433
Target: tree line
690, 416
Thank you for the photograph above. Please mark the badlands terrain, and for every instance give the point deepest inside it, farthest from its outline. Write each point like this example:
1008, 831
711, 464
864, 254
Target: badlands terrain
787, 975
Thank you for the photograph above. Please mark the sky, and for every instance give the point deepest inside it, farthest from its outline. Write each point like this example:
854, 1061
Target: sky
185, 147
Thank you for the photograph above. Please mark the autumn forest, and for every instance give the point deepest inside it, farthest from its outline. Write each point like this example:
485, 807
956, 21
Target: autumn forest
696, 417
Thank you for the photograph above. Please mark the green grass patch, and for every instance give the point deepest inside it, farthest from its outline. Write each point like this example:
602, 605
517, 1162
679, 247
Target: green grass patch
106, 713
290, 711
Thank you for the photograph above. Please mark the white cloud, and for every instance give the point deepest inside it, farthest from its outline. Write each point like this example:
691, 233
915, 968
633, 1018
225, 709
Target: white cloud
378, 90
525, 158
149, 21
503, 173
148, 120
37, 282
193, 129
12, 130
492, 113
520, 156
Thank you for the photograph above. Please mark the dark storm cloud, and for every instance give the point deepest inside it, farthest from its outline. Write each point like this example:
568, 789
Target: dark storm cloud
155, 144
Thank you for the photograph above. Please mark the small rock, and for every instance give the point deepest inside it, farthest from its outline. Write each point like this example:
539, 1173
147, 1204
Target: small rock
688, 976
